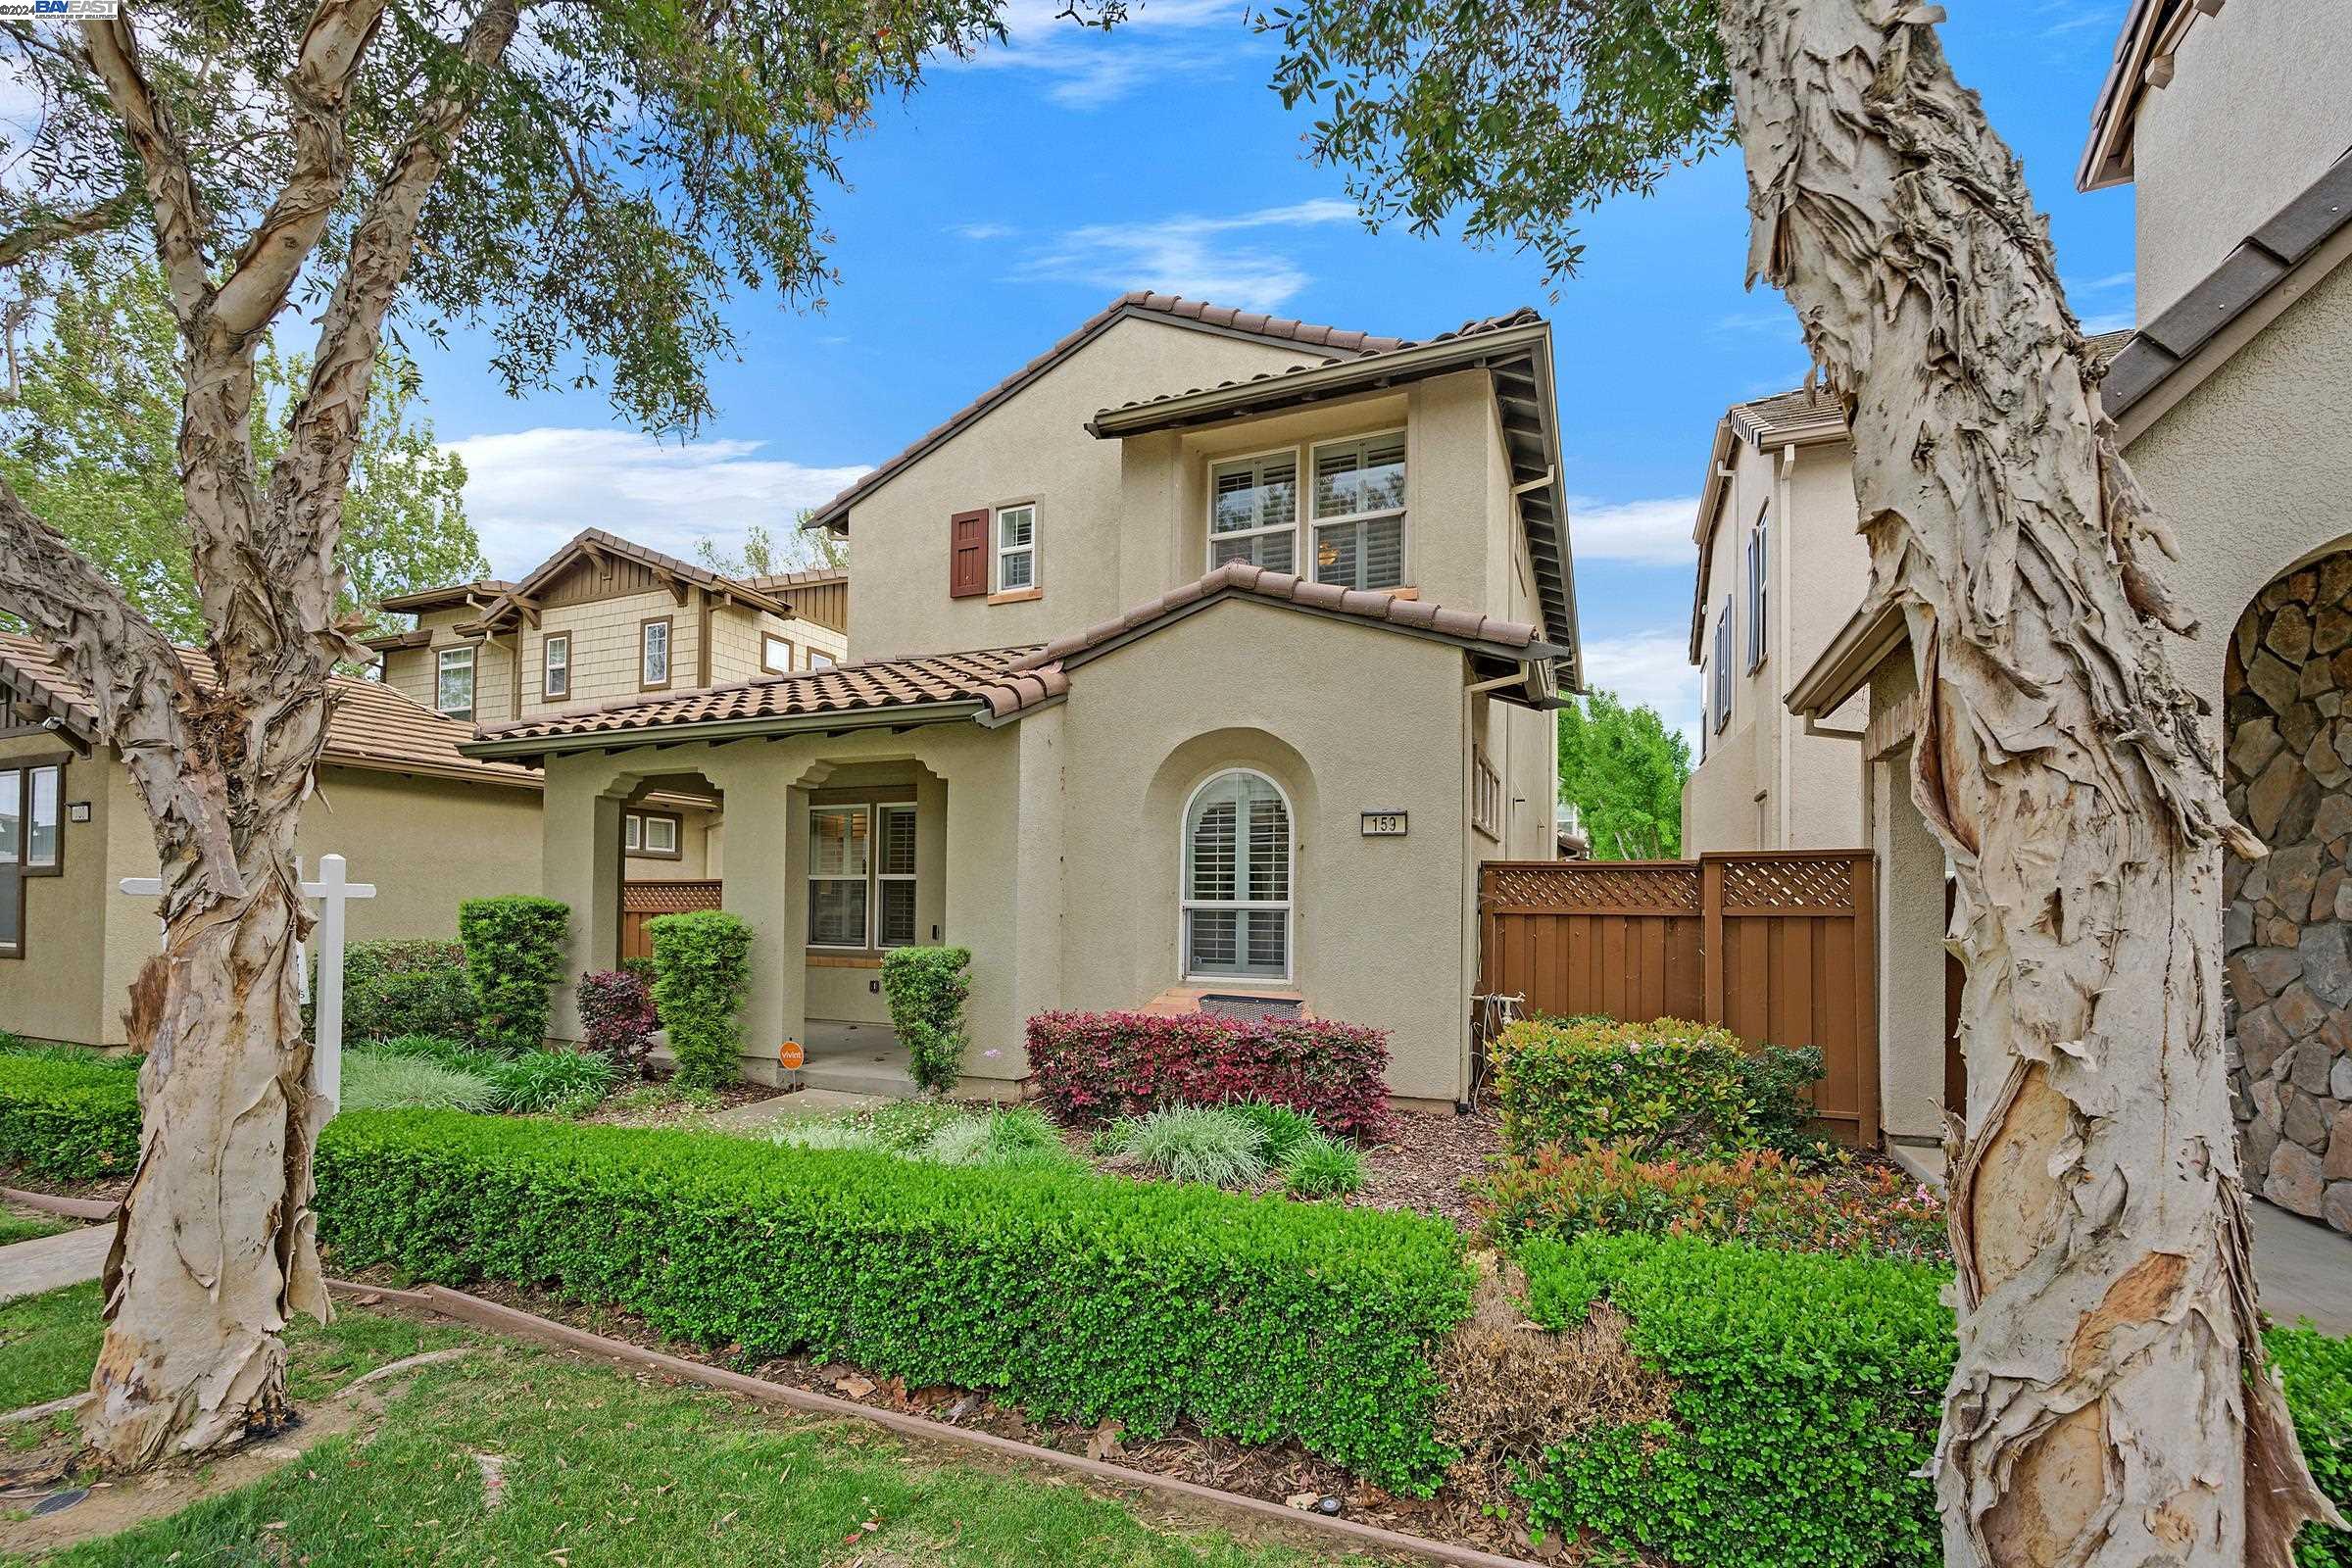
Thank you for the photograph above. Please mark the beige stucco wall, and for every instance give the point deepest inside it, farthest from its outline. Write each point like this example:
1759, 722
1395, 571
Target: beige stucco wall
2255, 111
696, 837
1032, 447
1765, 782
425, 842
2254, 469
1910, 933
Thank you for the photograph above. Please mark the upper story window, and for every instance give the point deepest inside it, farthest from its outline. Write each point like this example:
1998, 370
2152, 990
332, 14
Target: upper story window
1759, 584
775, 654
1358, 511
1722, 665
1253, 512
1017, 548
653, 652
817, 660
554, 667
452, 683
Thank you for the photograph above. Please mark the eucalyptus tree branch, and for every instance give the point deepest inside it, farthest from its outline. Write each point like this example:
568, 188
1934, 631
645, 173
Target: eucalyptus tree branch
43, 229
138, 689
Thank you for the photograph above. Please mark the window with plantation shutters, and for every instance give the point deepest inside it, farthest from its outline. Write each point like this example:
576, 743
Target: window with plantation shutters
838, 867
1357, 512
1253, 512
1236, 879
894, 875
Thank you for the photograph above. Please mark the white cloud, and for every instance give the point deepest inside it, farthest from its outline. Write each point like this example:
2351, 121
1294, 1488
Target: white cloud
2109, 321
528, 492
1649, 669
1086, 67
1648, 533
1196, 257
983, 230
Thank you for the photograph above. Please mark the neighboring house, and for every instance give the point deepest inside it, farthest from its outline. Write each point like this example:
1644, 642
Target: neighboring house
1204, 657
426, 825
2230, 397
1780, 565
605, 620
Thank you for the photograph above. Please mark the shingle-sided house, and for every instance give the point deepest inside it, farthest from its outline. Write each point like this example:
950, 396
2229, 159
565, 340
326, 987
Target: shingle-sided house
1207, 655
428, 825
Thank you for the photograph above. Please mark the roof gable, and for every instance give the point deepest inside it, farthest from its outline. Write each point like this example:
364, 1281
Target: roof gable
1326, 343
590, 549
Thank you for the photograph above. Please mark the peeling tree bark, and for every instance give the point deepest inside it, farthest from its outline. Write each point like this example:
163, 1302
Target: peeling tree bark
2111, 1404
215, 1251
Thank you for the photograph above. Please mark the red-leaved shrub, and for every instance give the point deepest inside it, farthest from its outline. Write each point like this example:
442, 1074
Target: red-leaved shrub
617, 1014
1092, 1068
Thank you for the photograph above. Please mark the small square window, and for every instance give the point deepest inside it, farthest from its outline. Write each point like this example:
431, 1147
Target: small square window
775, 654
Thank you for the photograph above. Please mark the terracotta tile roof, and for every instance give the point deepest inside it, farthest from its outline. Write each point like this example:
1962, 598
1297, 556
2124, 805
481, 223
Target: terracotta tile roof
1525, 316
1330, 343
871, 684
373, 726
1008, 681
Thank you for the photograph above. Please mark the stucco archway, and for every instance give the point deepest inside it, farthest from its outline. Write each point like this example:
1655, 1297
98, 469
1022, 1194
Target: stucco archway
2287, 919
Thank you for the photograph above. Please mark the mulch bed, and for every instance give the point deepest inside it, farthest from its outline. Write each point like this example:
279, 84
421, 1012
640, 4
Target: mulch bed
1425, 1165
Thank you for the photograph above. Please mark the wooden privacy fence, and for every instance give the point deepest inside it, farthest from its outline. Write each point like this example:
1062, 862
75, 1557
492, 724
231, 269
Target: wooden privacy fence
640, 902
1777, 946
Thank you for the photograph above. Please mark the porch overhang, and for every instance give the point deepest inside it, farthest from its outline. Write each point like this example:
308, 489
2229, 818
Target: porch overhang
531, 750
1870, 636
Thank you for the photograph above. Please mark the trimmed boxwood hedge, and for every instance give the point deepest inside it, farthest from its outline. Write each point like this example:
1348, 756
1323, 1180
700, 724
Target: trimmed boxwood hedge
69, 1121
1070, 1293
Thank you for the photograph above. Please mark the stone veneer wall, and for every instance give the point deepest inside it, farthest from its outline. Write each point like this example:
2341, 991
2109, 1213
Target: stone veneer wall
2287, 918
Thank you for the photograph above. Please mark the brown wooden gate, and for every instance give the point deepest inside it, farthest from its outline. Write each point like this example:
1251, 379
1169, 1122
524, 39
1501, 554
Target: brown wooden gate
640, 902
1777, 946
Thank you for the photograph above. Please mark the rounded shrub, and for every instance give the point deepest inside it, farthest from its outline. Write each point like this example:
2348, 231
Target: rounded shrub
513, 951
618, 1017
703, 975
926, 989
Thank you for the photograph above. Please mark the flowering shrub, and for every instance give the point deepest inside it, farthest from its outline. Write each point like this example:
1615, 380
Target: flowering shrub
1761, 1197
1093, 1067
617, 1013
1648, 1086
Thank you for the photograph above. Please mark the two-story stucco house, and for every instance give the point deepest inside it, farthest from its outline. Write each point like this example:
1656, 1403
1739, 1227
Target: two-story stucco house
605, 620
1205, 656
1780, 567
2232, 125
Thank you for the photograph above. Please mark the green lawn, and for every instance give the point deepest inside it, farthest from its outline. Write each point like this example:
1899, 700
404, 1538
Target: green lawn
599, 1470
14, 1229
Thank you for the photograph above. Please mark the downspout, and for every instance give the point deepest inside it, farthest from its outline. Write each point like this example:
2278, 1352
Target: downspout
1468, 913
1786, 525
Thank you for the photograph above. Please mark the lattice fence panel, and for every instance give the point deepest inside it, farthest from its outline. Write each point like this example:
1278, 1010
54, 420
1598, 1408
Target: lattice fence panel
1572, 886
1825, 885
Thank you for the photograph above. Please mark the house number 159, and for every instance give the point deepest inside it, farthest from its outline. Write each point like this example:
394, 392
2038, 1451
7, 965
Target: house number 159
1384, 825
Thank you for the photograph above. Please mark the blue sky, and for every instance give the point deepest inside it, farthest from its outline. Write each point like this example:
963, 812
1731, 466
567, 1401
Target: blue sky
1015, 195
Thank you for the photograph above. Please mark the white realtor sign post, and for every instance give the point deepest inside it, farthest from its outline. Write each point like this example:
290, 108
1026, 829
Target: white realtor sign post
326, 1032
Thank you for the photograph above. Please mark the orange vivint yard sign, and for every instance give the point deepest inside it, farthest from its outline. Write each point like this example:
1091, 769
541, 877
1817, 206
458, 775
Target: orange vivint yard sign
789, 1056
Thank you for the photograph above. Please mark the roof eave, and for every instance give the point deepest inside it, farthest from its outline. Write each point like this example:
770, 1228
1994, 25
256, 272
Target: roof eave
1324, 380
1874, 632
524, 746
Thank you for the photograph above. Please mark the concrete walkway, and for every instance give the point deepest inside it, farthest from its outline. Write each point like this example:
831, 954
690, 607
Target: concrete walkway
53, 1262
761, 1114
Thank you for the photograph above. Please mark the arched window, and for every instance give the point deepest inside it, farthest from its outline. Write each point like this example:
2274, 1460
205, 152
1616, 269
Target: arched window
1236, 879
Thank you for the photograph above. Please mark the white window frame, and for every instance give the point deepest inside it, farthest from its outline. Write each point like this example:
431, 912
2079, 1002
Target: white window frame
654, 819
999, 551
1723, 667
1208, 549
1315, 519
865, 937
1486, 795
1759, 585
1186, 903
632, 825
818, 659
441, 669
645, 680
875, 862
549, 666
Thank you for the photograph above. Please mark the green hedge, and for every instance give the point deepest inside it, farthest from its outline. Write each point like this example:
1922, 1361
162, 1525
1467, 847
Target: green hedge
926, 989
513, 951
1650, 1087
702, 978
403, 986
2318, 1372
1073, 1295
68, 1121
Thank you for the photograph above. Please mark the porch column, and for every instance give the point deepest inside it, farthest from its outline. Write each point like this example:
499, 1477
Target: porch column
580, 860
1911, 957
767, 827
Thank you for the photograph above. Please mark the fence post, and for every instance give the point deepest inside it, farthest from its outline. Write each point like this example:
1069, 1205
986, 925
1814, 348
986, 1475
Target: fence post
1711, 941
1866, 1000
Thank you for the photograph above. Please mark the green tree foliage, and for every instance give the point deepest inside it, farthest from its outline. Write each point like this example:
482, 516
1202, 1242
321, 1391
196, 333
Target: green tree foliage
91, 441
763, 554
1623, 769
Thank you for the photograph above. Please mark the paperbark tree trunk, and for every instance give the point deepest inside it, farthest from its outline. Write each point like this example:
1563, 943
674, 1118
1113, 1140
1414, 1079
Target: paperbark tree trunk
2111, 1403
214, 1249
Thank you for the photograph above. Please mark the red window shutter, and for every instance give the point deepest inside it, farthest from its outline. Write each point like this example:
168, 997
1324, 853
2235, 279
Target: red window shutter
967, 555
